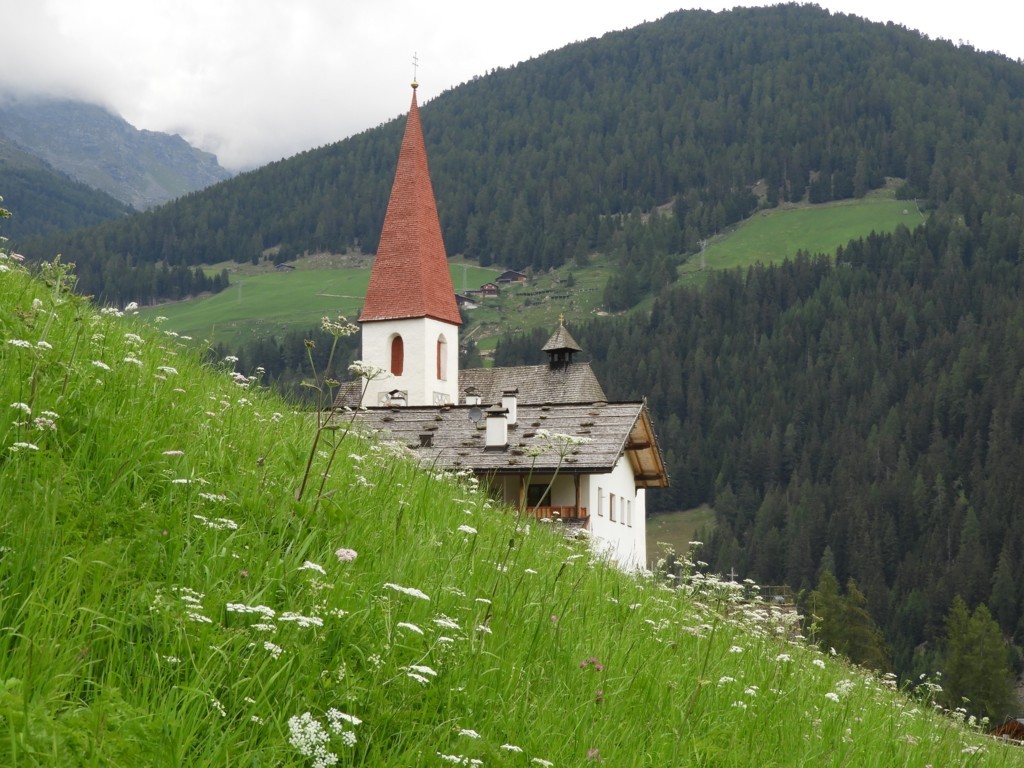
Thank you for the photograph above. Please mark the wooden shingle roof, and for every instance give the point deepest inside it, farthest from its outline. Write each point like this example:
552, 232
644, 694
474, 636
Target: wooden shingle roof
537, 384
561, 340
447, 437
410, 277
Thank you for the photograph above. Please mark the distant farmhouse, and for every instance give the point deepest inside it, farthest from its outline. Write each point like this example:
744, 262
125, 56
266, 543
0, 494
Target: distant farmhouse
542, 437
511, 276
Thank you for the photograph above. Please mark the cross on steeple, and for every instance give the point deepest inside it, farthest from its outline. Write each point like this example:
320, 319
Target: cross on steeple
415, 67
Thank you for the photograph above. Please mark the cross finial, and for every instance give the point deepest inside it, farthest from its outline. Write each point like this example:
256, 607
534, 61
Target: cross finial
415, 67
561, 318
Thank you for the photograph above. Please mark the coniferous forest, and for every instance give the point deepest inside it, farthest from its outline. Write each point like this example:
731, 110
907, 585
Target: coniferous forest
859, 414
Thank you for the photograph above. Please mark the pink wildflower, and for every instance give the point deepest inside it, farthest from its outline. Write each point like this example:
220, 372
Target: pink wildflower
346, 555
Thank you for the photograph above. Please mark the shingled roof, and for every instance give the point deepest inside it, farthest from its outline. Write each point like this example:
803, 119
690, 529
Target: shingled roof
410, 277
447, 437
537, 384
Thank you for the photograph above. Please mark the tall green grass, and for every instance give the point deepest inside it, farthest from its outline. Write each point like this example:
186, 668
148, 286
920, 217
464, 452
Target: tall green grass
166, 601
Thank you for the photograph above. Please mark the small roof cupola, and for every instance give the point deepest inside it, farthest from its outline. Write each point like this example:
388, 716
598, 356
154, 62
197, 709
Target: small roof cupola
561, 346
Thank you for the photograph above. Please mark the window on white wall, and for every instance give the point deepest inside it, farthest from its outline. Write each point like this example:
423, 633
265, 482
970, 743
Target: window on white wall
600, 502
442, 358
629, 512
611, 507
397, 355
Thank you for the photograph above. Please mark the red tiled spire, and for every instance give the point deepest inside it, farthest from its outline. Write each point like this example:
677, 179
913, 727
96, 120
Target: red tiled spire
410, 275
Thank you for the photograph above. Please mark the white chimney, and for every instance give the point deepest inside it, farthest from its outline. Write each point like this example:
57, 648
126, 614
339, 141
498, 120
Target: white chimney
509, 402
497, 428
472, 396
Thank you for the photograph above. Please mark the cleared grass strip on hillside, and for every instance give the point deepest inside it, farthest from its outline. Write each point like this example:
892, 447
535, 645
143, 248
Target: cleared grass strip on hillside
775, 235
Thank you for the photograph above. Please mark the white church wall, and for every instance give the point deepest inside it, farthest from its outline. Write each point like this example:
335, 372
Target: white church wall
419, 377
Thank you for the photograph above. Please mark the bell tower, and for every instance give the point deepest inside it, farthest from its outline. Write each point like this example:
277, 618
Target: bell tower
410, 321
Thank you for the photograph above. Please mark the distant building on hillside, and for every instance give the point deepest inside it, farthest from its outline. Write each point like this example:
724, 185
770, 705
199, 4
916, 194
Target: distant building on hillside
510, 276
543, 437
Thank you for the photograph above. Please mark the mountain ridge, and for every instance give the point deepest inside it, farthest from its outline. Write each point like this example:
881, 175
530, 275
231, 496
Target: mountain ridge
89, 143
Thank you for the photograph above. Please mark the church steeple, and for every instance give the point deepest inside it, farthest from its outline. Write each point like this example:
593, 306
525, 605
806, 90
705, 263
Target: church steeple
410, 319
410, 275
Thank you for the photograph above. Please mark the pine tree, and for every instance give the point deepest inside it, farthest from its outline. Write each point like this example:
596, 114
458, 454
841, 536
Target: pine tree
976, 674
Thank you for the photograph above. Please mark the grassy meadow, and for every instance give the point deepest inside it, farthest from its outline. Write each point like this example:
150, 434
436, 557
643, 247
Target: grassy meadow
169, 597
267, 302
774, 235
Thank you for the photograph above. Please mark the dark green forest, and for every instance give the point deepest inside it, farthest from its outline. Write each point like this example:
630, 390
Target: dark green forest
538, 164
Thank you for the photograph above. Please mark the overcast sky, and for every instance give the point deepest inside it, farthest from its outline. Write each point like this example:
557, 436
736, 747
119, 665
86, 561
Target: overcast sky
254, 81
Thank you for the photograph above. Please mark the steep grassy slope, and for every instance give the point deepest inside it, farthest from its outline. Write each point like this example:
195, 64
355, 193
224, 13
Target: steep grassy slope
165, 599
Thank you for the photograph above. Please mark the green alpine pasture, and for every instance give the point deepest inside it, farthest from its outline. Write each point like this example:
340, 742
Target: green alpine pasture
771, 236
267, 302
191, 574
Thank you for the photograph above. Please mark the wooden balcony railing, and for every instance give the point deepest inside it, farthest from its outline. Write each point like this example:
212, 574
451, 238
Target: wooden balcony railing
565, 513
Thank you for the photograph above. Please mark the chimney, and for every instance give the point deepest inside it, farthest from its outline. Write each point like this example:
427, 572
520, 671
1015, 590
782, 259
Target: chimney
509, 402
472, 396
397, 398
497, 428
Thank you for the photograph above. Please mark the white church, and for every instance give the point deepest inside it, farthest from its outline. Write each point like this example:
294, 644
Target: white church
541, 437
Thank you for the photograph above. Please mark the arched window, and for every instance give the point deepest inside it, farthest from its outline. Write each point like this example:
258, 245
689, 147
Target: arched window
442, 358
397, 355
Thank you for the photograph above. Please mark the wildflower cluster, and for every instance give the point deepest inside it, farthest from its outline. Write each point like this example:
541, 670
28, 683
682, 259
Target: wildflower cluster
311, 738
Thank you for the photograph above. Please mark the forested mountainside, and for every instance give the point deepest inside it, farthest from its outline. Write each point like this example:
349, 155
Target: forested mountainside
713, 112
46, 200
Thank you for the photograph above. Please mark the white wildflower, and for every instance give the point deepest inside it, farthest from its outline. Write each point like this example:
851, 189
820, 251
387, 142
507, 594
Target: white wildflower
411, 591
275, 650
334, 715
100, 364
213, 497
309, 565
410, 627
